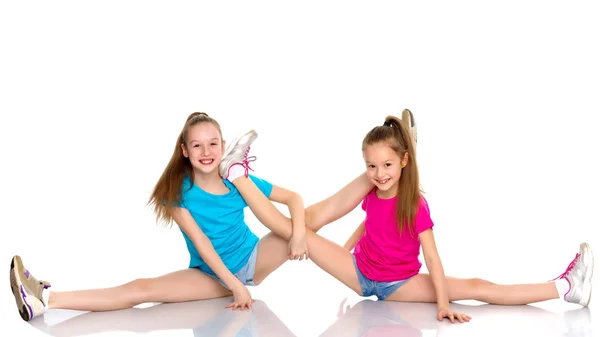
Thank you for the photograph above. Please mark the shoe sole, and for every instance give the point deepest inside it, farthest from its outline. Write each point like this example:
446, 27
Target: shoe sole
408, 113
408, 116
231, 146
16, 270
587, 281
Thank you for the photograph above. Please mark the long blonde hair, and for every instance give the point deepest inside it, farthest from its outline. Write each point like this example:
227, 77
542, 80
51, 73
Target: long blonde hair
396, 135
168, 189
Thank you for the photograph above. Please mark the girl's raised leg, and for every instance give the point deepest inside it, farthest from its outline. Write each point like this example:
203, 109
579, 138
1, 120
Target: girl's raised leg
339, 204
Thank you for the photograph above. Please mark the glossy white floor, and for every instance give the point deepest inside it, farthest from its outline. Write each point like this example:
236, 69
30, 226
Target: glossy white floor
301, 300
332, 316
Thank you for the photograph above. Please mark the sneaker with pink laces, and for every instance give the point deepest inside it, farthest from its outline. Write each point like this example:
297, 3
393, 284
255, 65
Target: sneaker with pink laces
579, 276
235, 161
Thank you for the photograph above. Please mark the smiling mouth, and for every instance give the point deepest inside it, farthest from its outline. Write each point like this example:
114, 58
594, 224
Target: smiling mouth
382, 181
206, 161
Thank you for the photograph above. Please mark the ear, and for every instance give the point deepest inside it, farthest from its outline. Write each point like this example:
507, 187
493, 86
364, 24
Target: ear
405, 160
184, 149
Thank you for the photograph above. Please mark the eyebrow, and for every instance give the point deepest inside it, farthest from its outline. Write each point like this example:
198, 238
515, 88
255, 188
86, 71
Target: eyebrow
193, 140
385, 161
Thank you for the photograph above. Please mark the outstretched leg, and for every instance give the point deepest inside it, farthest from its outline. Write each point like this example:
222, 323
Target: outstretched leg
574, 285
179, 286
420, 289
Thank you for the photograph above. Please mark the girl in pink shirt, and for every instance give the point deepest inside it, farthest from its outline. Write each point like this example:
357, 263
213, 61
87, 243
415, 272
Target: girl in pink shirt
397, 224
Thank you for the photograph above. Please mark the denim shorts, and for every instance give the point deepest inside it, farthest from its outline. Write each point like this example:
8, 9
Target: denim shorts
380, 289
246, 274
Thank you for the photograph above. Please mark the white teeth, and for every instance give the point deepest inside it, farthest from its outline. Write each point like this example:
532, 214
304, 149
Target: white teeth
207, 161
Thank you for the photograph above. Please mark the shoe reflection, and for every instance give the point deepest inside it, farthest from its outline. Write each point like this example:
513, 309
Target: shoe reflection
201, 318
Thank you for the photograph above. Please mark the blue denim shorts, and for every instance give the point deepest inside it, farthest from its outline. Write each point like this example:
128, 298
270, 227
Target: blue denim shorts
380, 289
246, 274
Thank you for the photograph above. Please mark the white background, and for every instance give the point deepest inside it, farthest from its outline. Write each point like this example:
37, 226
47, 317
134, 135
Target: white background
93, 96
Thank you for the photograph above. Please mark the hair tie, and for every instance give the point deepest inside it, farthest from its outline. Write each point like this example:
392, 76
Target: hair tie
387, 124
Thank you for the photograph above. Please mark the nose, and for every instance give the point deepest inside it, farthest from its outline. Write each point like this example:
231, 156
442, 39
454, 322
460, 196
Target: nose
204, 151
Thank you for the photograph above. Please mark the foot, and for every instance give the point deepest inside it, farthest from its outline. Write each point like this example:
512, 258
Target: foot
409, 121
235, 159
579, 275
27, 290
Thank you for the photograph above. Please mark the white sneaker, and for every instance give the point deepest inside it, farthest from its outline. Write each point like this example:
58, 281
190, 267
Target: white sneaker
579, 275
237, 154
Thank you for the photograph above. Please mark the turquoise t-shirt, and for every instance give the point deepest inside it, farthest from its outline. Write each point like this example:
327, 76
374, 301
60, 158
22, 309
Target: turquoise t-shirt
221, 218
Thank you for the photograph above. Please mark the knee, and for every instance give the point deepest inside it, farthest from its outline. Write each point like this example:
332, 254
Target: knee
477, 283
312, 219
139, 290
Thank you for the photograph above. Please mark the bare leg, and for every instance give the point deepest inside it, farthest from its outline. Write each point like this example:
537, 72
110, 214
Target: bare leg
341, 203
420, 289
329, 256
317, 215
179, 286
263, 209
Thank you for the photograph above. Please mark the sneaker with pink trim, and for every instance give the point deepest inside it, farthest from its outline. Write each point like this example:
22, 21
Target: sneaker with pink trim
237, 154
579, 275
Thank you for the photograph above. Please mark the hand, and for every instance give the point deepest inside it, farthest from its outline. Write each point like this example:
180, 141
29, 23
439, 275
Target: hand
451, 315
298, 248
241, 297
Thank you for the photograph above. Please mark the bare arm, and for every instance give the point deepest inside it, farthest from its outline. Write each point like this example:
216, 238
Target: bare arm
298, 247
339, 204
358, 233
186, 222
295, 204
434, 265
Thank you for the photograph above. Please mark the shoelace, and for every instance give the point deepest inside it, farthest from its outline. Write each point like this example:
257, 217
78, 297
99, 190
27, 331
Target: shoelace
41, 282
247, 160
569, 268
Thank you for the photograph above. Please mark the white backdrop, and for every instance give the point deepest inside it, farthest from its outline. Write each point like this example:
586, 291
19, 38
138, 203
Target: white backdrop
93, 96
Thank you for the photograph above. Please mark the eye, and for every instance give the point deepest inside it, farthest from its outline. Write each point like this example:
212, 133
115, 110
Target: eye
371, 166
213, 144
197, 145
388, 164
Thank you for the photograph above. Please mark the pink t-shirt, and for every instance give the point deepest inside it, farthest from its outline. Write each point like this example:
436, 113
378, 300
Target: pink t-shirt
381, 253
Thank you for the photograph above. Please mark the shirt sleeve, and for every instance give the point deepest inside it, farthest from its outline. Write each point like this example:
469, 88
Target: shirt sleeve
363, 205
263, 185
423, 217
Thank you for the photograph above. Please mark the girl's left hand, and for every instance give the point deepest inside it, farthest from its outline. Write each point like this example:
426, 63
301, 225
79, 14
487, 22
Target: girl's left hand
298, 247
451, 315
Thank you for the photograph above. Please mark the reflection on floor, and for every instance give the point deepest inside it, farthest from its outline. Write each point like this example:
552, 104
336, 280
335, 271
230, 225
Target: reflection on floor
364, 318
